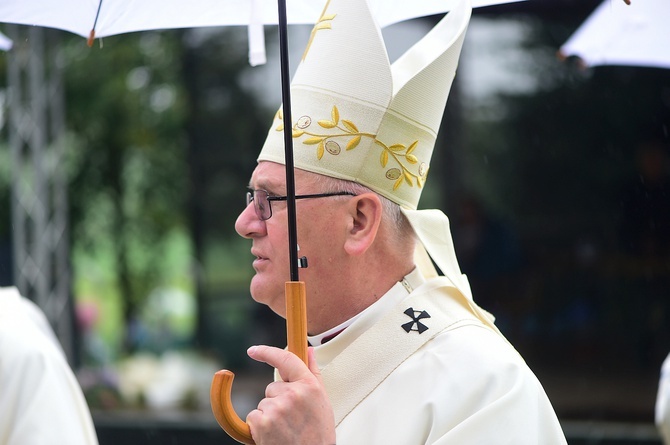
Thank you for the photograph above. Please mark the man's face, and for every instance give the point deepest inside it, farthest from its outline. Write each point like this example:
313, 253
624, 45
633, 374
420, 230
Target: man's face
318, 238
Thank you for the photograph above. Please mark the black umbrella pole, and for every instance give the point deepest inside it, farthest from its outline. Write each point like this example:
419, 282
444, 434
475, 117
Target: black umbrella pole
288, 142
296, 301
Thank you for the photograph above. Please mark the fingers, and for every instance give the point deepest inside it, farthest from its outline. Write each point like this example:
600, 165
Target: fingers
289, 366
295, 410
258, 423
311, 362
274, 389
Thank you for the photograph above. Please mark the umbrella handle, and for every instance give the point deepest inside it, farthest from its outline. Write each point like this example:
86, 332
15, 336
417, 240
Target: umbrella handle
222, 407
222, 382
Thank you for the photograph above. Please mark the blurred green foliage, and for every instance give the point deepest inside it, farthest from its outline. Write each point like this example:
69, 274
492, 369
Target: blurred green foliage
125, 109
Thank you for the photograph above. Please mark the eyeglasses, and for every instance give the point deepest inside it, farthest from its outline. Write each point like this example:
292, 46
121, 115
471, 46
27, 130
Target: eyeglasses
262, 201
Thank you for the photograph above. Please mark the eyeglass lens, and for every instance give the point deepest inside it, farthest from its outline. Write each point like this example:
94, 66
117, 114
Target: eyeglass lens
261, 203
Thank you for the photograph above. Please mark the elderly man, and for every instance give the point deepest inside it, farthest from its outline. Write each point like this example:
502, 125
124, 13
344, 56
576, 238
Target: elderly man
399, 354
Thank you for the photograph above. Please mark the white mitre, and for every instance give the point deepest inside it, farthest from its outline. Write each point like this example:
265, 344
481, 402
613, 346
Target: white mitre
359, 118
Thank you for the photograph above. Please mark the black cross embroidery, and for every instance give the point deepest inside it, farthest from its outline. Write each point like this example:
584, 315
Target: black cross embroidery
416, 320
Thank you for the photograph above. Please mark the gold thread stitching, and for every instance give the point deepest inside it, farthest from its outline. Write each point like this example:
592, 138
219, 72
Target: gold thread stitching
324, 143
322, 23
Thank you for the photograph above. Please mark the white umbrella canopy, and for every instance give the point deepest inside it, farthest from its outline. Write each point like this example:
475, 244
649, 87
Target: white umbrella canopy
112, 17
617, 34
122, 16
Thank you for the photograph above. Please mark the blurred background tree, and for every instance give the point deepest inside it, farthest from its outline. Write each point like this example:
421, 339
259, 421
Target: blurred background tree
126, 109
164, 136
5, 184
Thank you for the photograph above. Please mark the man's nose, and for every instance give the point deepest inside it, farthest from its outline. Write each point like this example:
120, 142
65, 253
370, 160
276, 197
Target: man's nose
248, 224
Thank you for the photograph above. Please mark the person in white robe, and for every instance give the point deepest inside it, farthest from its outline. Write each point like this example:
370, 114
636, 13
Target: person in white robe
41, 401
400, 354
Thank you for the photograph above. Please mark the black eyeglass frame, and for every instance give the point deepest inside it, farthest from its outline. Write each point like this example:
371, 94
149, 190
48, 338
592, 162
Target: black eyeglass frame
250, 199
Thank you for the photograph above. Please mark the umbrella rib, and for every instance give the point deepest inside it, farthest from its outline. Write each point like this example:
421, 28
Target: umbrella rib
91, 35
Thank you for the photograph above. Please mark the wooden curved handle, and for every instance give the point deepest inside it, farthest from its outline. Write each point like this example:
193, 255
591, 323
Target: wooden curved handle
222, 383
222, 407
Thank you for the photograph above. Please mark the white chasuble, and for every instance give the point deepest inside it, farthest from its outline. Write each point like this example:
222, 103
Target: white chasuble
420, 367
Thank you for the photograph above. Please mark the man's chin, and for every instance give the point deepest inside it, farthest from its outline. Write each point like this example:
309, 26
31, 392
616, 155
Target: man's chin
270, 296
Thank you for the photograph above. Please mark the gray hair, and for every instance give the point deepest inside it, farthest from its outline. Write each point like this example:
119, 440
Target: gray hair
400, 226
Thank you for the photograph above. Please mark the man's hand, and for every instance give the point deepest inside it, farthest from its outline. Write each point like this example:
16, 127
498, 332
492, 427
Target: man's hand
296, 410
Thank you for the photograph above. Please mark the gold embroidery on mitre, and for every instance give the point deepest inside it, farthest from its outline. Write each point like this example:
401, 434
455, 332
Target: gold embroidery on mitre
401, 154
280, 115
322, 23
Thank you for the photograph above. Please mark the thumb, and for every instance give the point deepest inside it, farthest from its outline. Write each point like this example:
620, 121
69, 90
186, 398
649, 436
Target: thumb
312, 364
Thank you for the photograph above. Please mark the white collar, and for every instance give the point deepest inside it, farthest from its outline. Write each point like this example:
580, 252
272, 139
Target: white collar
359, 323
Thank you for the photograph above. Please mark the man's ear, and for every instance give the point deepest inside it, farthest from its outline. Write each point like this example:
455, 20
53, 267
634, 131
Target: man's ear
366, 215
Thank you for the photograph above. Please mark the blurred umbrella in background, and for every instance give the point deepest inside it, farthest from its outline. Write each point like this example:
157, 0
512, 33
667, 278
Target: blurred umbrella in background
5, 42
617, 34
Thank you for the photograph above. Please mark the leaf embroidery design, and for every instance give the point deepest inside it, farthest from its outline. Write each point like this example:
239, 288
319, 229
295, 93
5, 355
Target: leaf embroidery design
399, 154
322, 23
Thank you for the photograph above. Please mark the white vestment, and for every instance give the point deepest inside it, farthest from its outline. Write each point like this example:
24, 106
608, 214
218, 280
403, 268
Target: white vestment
41, 401
463, 384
